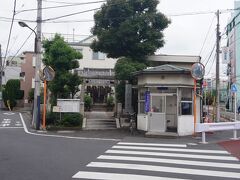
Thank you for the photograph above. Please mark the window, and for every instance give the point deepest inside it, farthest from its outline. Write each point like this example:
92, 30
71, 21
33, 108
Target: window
22, 74
34, 61
142, 102
186, 94
186, 108
98, 56
158, 104
186, 101
33, 82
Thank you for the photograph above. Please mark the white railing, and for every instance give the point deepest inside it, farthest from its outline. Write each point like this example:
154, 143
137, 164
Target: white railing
208, 127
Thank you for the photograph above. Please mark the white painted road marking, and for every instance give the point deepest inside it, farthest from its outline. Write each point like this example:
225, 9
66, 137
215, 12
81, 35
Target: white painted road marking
170, 149
195, 156
7, 127
9, 124
4, 125
171, 161
152, 144
9, 113
116, 176
164, 169
59, 136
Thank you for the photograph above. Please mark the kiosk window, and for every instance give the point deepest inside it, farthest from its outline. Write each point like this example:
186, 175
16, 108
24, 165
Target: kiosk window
186, 108
142, 102
158, 104
186, 94
186, 101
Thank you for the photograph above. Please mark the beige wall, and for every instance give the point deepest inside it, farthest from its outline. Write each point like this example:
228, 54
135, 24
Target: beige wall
166, 79
26, 82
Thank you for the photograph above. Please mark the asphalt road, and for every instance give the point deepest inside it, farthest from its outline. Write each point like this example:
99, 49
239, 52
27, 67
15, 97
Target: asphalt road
30, 156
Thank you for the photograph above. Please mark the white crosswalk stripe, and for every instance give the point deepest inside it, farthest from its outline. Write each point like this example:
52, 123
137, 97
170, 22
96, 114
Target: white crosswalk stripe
171, 161
196, 156
152, 161
170, 149
153, 144
116, 176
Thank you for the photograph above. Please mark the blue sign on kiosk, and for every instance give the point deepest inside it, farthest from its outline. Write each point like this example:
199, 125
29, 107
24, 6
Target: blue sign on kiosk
147, 101
233, 88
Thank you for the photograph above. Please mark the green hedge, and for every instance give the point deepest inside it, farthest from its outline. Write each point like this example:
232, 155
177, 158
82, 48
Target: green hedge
67, 119
71, 120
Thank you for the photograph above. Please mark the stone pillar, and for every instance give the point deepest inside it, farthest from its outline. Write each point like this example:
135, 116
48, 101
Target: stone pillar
82, 98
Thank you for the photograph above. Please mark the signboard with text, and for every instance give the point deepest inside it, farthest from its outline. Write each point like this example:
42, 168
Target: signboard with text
147, 101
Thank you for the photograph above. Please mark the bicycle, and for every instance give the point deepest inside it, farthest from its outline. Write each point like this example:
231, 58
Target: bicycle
132, 123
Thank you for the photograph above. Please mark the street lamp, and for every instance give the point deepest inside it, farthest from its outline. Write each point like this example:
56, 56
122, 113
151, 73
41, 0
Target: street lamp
37, 49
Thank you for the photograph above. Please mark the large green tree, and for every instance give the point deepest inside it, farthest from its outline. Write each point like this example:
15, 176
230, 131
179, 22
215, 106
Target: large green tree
125, 67
62, 58
129, 28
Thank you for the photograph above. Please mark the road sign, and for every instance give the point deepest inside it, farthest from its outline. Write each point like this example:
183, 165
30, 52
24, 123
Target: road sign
198, 71
48, 73
233, 88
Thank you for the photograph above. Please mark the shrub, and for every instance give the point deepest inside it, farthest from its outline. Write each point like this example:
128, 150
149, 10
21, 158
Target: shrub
87, 102
110, 103
52, 118
71, 120
31, 95
12, 92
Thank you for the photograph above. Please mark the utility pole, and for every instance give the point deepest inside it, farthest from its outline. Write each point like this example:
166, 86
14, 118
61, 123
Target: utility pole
1, 73
217, 69
36, 110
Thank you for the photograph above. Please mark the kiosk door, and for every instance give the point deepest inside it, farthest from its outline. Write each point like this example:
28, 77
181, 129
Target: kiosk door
157, 114
171, 113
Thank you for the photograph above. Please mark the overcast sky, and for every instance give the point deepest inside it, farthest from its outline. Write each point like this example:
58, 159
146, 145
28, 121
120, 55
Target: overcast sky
184, 36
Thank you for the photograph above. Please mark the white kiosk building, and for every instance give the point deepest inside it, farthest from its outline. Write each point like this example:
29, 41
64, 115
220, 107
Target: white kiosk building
165, 96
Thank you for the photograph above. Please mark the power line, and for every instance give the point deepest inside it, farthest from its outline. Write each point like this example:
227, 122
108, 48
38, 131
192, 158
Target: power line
210, 55
171, 15
72, 14
211, 65
58, 2
63, 6
10, 32
21, 46
207, 35
91, 20
192, 13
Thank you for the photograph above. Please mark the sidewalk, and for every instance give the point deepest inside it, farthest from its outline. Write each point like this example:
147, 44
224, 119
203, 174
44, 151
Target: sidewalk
216, 140
124, 134
225, 115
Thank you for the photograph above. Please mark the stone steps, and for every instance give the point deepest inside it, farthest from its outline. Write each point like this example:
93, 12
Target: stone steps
98, 120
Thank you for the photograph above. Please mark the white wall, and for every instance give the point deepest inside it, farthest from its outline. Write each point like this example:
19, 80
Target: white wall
88, 62
185, 125
142, 122
186, 122
11, 72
